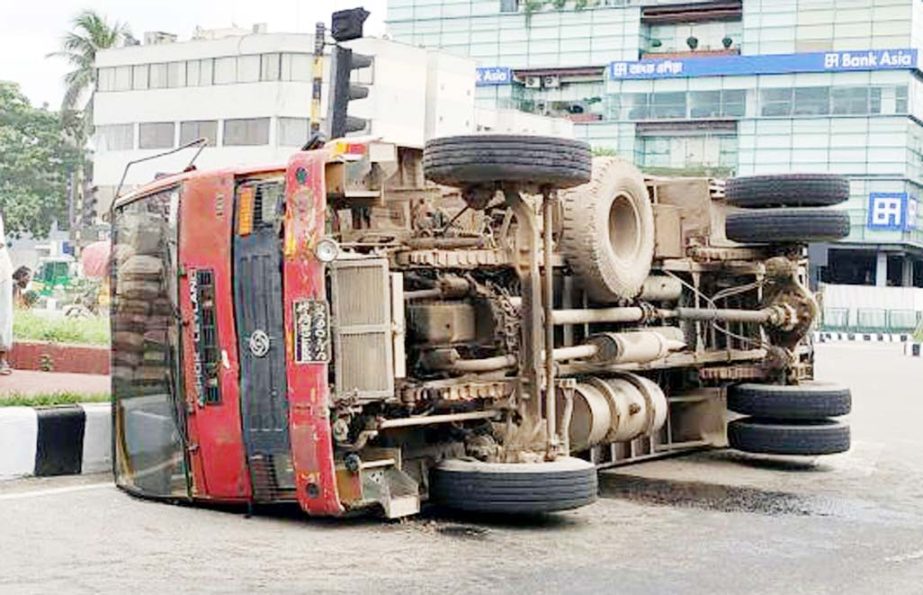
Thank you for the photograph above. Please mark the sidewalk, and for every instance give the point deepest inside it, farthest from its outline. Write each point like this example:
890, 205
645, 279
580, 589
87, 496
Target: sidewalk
27, 382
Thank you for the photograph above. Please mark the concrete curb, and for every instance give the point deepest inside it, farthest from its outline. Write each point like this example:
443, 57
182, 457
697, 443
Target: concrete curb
913, 349
824, 337
47, 441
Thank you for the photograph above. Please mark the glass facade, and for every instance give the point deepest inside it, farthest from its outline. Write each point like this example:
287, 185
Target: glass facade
839, 109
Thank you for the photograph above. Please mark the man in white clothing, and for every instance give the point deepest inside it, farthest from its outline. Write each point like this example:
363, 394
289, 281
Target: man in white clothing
6, 303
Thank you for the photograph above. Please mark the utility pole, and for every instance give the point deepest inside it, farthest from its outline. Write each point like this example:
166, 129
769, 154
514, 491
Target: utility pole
319, 32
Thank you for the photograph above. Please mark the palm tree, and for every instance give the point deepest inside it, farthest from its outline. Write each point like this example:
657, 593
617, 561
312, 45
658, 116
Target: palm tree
91, 33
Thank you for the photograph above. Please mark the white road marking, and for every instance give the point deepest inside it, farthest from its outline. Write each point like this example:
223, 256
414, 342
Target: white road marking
906, 557
53, 491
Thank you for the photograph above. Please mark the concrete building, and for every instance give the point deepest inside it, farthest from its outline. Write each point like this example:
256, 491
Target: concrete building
720, 87
249, 92
249, 95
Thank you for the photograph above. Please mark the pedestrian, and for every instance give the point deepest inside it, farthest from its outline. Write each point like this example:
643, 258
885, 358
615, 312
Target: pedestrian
6, 303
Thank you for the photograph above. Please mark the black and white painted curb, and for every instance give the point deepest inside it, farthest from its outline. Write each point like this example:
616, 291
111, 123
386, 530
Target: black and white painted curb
825, 337
913, 349
55, 440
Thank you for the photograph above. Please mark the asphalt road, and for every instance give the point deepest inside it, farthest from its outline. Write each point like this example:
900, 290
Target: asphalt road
712, 522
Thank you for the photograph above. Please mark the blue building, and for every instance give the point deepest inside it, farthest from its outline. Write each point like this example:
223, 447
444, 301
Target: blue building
721, 87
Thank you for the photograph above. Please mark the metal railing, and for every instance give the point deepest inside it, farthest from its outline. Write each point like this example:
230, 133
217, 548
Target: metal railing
870, 320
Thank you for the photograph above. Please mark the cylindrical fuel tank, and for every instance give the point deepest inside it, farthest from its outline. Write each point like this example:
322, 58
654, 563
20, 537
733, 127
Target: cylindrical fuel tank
619, 409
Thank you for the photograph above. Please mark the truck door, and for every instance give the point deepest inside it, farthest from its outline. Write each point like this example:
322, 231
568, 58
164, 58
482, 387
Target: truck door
261, 334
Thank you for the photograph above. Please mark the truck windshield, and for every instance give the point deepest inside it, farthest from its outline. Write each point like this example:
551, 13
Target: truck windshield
148, 414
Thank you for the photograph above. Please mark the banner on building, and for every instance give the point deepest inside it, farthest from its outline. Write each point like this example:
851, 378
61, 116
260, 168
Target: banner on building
493, 76
736, 65
892, 211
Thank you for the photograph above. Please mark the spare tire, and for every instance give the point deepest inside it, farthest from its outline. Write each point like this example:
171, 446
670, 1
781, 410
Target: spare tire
608, 236
787, 190
809, 400
775, 226
487, 158
761, 436
514, 488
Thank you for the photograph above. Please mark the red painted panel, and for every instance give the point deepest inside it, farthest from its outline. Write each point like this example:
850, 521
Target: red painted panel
219, 466
308, 394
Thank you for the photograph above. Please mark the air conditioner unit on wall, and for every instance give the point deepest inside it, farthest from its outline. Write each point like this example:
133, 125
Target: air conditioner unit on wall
551, 81
533, 82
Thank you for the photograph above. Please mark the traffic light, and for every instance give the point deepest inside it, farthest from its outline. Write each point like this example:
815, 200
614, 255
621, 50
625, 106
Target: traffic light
342, 91
347, 24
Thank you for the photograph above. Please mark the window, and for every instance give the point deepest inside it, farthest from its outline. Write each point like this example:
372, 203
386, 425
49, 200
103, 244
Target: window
225, 70
122, 78
875, 100
115, 137
145, 233
176, 74
509, 5
705, 104
812, 101
105, 79
199, 72
293, 132
776, 102
297, 67
159, 76
850, 100
270, 67
195, 129
734, 103
900, 99
668, 105
248, 69
155, 135
636, 106
139, 77
250, 131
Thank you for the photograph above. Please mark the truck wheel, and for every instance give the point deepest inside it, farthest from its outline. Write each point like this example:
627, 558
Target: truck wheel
487, 158
762, 436
810, 400
514, 488
787, 190
775, 226
608, 236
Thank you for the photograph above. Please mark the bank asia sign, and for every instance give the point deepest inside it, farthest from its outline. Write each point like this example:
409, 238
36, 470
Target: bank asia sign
734, 65
494, 75
892, 211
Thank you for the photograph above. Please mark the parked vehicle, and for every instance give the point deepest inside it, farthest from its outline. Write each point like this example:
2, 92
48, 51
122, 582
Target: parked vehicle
343, 333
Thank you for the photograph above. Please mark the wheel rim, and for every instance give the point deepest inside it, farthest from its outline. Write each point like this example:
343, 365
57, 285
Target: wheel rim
624, 225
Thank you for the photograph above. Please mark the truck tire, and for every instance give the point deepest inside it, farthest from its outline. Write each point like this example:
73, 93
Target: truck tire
814, 437
608, 232
793, 225
487, 158
787, 190
513, 488
809, 400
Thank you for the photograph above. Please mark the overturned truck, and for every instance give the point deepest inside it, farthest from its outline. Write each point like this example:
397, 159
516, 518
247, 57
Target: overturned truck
482, 325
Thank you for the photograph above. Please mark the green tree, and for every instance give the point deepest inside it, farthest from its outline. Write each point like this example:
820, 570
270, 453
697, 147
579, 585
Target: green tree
90, 33
36, 159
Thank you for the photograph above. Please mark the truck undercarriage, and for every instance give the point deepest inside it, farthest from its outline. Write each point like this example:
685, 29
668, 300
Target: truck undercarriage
482, 324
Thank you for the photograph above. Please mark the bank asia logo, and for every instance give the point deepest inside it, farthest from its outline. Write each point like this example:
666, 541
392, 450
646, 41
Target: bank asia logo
892, 211
870, 60
494, 75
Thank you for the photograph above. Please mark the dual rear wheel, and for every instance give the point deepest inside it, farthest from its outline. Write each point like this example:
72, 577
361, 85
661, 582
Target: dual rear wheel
789, 420
787, 208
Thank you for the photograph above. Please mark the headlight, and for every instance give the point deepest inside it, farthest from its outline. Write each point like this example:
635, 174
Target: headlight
327, 250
